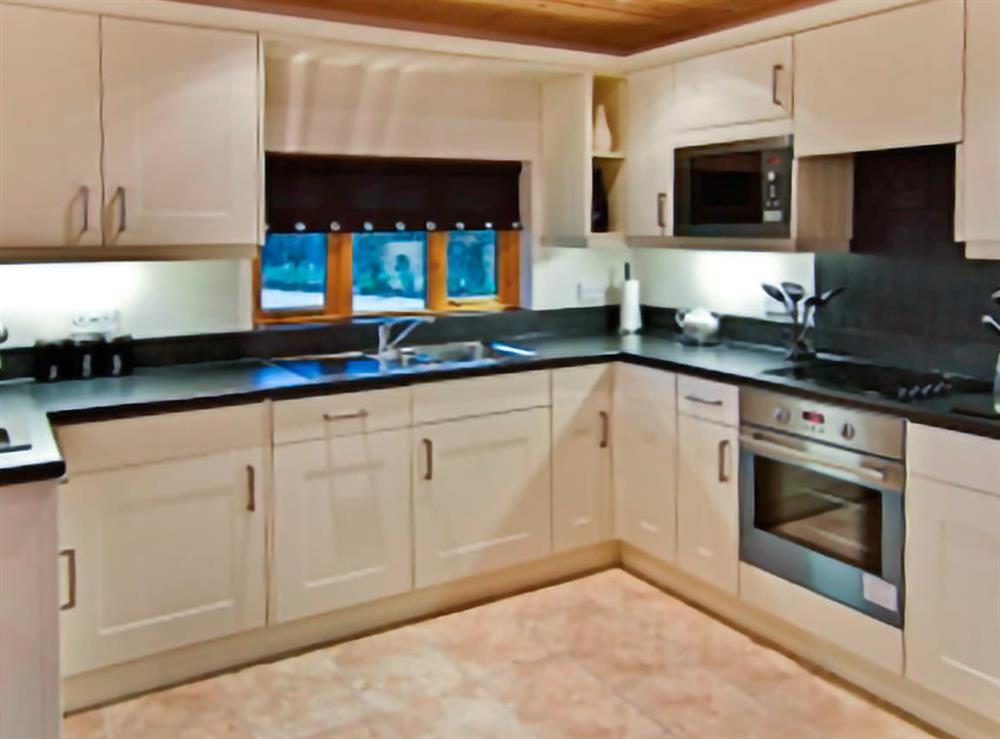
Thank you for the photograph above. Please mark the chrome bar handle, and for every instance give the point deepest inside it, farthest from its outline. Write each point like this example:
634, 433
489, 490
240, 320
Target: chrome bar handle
346, 416
70, 555
85, 201
429, 456
723, 456
605, 430
775, 71
696, 399
661, 209
122, 211
251, 488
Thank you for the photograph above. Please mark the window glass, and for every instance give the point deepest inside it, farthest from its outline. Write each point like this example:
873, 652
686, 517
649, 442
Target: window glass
389, 270
472, 264
293, 272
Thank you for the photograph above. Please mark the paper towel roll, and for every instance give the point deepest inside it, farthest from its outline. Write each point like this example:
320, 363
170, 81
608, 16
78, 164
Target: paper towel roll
631, 316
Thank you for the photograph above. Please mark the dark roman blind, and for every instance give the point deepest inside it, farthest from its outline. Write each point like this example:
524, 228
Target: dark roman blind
313, 193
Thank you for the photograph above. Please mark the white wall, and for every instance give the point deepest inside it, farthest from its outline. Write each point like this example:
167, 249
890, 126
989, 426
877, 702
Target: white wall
38, 301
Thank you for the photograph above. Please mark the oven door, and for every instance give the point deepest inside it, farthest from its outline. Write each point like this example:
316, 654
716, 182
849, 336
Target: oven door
826, 518
737, 189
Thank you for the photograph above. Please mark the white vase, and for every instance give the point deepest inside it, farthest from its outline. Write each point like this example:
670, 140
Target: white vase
602, 131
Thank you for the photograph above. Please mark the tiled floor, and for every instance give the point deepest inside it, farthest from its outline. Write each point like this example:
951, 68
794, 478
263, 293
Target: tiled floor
603, 656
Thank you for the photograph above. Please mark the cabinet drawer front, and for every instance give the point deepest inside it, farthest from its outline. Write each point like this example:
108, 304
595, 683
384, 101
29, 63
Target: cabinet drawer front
440, 401
961, 459
108, 445
708, 400
306, 419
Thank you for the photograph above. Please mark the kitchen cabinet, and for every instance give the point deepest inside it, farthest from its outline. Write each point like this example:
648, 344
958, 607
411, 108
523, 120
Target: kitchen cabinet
161, 555
977, 217
708, 501
341, 522
482, 494
742, 85
181, 157
581, 456
50, 128
644, 440
650, 164
953, 571
883, 81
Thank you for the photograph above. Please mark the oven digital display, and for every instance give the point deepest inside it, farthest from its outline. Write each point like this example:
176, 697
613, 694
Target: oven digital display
813, 417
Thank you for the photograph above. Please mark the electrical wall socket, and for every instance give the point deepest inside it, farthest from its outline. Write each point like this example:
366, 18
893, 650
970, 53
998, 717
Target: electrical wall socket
97, 322
590, 293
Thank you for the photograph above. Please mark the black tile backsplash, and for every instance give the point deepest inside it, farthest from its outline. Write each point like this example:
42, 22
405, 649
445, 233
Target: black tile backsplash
914, 312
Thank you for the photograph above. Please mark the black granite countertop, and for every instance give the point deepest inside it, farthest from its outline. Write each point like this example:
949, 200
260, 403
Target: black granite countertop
29, 410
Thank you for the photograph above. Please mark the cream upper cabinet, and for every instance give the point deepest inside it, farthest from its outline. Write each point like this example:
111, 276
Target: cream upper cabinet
708, 501
883, 81
181, 154
581, 456
161, 555
649, 164
341, 522
743, 85
952, 628
50, 128
482, 494
644, 443
978, 215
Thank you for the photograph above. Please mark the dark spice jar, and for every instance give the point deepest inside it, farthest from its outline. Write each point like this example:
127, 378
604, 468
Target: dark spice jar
52, 360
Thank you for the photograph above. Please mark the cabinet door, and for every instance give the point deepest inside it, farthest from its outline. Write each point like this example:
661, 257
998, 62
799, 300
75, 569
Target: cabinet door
341, 522
978, 217
482, 494
567, 140
581, 456
50, 128
180, 122
165, 555
884, 81
708, 502
649, 166
743, 85
952, 632
645, 459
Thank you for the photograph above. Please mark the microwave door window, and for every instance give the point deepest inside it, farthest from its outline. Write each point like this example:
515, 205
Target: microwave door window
726, 189
840, 519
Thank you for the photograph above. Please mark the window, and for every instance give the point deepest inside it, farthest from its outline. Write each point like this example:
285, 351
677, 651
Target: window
389, 272
355, 235
293, 272
317, 276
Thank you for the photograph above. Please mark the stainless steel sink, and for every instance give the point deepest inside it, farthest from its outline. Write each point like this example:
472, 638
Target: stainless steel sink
408, 358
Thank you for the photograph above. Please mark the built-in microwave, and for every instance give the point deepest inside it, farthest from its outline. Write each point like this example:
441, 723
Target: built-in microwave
737, 189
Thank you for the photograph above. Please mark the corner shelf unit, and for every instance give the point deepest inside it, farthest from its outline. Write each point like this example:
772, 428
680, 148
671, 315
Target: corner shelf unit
569, 112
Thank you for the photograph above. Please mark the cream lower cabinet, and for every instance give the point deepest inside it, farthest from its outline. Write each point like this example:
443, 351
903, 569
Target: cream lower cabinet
952, 625
158, 556
708, 501
644, 442
482, 494
341, 522
581, 456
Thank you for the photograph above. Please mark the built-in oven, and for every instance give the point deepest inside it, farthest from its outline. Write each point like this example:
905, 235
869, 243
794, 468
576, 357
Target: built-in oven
821, 499
736, 189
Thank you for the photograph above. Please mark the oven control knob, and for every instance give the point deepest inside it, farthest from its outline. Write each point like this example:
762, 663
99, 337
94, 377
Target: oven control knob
782, 415
847, 431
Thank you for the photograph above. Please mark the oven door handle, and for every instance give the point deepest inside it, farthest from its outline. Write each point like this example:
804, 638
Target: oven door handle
778, 449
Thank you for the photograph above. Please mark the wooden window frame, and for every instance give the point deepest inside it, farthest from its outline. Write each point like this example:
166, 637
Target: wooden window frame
338, 303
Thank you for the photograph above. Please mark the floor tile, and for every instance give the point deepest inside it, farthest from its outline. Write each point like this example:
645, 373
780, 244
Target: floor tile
85, 726
558, 700
196, 711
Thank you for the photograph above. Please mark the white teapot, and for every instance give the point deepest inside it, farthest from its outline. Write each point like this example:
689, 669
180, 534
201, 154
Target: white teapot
699, 326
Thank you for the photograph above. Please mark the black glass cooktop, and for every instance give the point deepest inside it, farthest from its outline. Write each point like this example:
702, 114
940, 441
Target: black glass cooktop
886, 382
